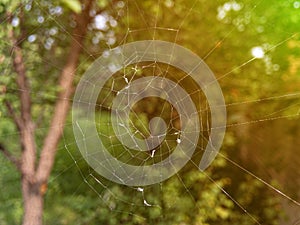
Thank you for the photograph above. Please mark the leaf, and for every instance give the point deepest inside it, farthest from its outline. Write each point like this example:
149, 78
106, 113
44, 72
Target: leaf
102, 3
74, 5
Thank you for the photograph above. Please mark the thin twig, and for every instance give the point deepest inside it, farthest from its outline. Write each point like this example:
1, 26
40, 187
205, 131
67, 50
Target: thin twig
10, 157
14, 116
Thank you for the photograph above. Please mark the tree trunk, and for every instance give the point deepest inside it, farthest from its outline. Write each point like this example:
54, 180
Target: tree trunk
33, 203
35, 174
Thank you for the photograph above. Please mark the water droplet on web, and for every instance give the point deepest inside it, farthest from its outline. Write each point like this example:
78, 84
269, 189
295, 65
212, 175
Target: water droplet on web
146, 203
140, 189
152, 153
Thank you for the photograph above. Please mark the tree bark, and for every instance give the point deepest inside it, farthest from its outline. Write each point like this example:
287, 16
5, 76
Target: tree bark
34, 190
63, 103
33, 203
35, 174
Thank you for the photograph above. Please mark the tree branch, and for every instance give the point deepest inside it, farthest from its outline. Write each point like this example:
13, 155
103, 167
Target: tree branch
17, 120
13, 115
62, 104
19, 67
27, 125
10, 157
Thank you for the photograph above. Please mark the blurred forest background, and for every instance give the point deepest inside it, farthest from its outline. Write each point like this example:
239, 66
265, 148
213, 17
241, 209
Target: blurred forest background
253, 48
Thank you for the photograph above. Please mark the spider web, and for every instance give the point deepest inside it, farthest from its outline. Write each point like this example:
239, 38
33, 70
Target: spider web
144, 198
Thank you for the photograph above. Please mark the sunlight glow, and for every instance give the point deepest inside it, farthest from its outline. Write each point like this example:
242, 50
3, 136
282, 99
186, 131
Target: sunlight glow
258, 52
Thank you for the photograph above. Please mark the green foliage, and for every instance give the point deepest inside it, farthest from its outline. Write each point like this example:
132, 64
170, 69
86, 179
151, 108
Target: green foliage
74, 5
10, 196
102, 3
